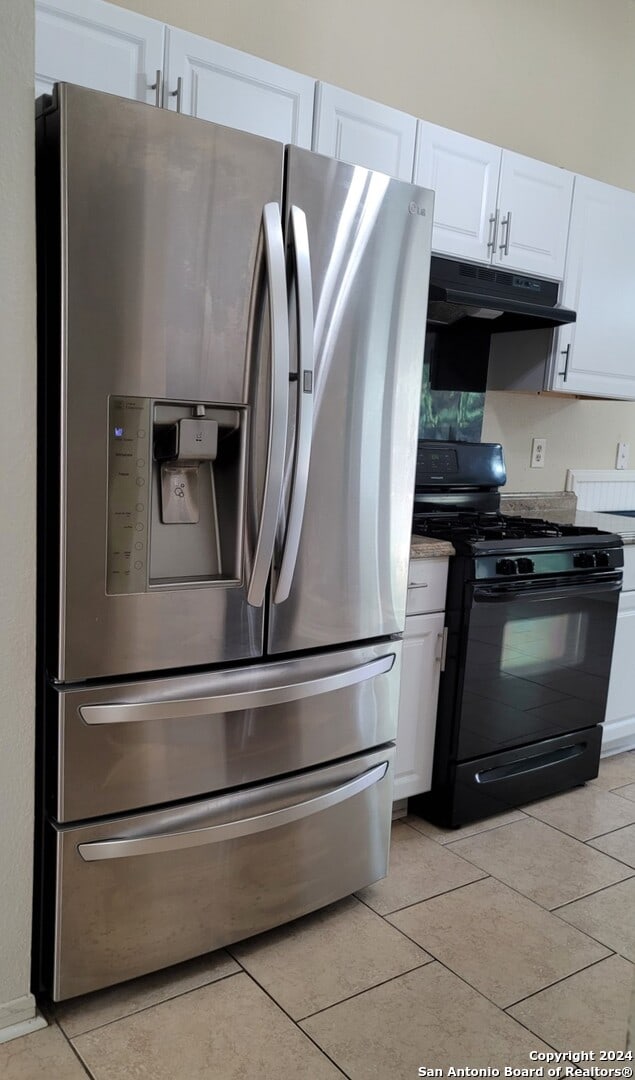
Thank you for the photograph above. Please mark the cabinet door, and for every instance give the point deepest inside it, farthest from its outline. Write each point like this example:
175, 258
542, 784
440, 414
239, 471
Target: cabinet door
363, 132
98, 45
534, 203
233, 88
463, 173
599, 285
619, 721
420, 671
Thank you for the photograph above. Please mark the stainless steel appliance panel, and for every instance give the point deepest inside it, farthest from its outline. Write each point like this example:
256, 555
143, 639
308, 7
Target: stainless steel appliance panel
139, 893
145, 743
161, 222
369, 253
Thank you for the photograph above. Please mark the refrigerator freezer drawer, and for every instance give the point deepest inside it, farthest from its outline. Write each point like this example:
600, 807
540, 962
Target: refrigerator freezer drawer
139, 893
153, 742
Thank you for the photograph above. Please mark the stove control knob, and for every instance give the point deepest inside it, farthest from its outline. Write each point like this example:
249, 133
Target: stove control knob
525, 566
506, 566
602, 558
584, 559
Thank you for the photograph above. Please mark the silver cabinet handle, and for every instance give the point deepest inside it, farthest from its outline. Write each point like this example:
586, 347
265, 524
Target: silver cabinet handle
178, 93
278, 416
98, 850
443, 647
418, 584
565, 353
156, 86
493, 229
299, 237
506, 222
187, 708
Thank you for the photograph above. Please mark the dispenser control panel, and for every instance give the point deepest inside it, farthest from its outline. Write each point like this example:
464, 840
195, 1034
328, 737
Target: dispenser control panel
129, 476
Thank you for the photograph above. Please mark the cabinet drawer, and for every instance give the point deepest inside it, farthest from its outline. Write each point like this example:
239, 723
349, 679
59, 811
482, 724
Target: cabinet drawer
427, 580
141, 892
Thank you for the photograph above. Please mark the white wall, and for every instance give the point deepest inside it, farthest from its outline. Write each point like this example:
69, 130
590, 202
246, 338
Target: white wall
17, 499
580, 434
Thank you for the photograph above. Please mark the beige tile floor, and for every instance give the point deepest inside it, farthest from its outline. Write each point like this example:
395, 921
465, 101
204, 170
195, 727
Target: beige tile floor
484, 944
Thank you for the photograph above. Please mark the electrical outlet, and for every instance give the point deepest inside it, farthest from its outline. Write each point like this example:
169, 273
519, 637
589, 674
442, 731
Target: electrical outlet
538, 452
621, 459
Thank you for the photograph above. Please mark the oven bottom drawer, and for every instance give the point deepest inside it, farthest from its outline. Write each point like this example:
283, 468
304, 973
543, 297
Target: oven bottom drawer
492, 785
141, 892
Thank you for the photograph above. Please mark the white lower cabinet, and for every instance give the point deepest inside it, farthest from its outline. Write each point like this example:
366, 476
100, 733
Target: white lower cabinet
619, 721
420, 672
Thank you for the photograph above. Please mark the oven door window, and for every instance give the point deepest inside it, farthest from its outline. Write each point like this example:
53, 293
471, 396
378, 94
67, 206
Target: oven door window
537, 662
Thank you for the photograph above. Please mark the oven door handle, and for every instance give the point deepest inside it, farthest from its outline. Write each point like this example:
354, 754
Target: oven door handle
562, 592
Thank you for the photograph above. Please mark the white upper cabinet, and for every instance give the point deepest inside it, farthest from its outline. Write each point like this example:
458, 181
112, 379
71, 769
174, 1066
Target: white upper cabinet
98, 45
233, 88
596, 354
363, 132
492, 205
534, 201
463, 173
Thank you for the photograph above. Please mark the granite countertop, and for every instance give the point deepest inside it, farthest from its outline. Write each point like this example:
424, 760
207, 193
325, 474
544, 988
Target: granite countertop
428, 547
623, 526
560, 506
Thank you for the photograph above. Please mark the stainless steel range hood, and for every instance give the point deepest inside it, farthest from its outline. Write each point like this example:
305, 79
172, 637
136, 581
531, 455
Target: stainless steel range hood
503, 300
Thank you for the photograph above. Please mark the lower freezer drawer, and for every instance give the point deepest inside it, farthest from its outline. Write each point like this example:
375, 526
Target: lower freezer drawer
154, 741
142, 892
494, 784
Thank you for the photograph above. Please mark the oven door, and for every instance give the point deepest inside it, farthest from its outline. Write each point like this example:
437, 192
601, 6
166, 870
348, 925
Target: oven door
537, 659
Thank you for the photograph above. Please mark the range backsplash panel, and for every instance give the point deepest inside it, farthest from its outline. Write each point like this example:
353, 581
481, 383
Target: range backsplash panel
449, 414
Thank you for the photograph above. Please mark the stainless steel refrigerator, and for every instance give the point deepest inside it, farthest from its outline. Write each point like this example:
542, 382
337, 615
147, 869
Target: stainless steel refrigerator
231, 342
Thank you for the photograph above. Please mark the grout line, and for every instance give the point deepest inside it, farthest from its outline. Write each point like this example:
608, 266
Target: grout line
367, 989
563, 832
76, 1052
295, 1022
424, 899
530, 1031
584, 843
588, 896
609, 832
556, 912
488, 829
152, 1005
556, 982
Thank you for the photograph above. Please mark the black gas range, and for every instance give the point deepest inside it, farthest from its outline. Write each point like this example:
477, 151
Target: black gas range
530, 615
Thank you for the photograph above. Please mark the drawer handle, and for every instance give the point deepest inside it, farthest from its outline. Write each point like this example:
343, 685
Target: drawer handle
186, 708
418, 584
531, 764
98, 850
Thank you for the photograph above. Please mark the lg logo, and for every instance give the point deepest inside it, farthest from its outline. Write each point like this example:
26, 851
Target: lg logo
414, 208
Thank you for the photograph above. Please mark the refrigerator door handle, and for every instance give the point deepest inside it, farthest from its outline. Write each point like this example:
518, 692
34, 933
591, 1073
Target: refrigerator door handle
274, 476
232, 830
305, 382
185, 708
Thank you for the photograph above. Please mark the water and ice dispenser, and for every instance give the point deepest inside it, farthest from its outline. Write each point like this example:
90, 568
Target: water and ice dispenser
175, 494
